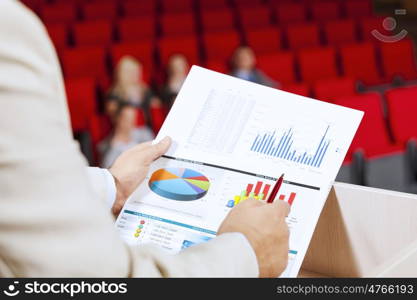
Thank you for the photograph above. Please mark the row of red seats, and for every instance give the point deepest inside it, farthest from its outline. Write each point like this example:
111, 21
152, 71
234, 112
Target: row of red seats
372, 64
281, 11
381, 134
368, 62
263, 39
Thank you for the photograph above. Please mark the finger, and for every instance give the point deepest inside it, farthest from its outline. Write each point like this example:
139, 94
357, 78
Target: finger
160, 148
253, 202
282, 208
142, 146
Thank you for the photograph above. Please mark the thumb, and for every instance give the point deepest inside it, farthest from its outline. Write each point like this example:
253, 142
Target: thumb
159, 148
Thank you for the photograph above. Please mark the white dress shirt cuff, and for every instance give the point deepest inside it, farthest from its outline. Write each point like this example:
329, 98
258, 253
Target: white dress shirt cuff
103, 184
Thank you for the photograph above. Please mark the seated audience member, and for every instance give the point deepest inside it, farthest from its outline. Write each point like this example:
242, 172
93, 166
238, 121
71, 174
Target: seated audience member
129, 87
244, 67
125, 135
177, 72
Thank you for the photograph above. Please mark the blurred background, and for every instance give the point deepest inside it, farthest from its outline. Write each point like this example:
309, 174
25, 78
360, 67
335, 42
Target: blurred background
124, 62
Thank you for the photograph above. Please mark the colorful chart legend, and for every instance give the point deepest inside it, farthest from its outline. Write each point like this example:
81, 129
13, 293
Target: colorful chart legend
179, 184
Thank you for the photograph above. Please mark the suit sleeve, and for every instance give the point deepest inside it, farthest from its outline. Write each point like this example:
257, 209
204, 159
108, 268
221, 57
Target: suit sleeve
52, 224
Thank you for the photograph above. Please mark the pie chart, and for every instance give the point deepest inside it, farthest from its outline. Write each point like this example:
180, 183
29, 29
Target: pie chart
179, 184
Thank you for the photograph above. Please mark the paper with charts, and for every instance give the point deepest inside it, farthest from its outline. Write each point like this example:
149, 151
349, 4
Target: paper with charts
232, 139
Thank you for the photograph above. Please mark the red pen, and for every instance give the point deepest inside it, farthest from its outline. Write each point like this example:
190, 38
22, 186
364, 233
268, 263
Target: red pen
275, 190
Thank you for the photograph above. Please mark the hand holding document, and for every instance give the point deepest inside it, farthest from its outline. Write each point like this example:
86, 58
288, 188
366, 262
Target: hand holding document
230, 139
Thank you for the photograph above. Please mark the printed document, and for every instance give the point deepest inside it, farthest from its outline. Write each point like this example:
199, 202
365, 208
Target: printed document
232, 139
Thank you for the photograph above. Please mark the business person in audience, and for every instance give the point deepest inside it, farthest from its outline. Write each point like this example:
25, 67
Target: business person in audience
54, 220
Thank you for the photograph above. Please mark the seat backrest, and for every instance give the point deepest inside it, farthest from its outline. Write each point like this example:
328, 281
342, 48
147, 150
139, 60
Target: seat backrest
325, 10
398, 59
220, 45
358, 8
59, 35
81, 99
185, 45
254, 17
134, 8
84, 62
218, 20
105, 10
289, 12
334, 88
136, 29
303, 35
264, 40
279, 66
338, 32
58, 13
402, 108
93, 33
177, 6
317, 63
372, 135
178, 24
359, 62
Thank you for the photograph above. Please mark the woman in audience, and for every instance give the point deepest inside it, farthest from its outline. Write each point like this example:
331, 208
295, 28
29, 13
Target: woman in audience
125, 135
177, 72
129, 87
244, 67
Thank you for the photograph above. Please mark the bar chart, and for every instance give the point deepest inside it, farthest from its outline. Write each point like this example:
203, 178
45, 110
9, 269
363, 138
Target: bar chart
258, 191
284, 147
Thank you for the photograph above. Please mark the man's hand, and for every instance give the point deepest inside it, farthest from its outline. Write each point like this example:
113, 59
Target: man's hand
266, 230
131, 167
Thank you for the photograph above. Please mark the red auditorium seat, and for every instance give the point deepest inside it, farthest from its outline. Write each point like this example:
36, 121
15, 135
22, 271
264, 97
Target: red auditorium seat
93, 33
289, 12
218, 20
141, 51
186, 45
303, 35
398, 59
248, 3
59, 35
158, 115
372, 135
106, 10
213, 5
325, 10
339, 32
359, 62
137, 29
58, 13
317, 63
254, 17
368, 25
177, 6
218, 66
334, 88
402, 107
279, 66
81, 101
220, 45
264, 40
358, 8
84, 62
301, 89
34, 5
135, 8
178, 24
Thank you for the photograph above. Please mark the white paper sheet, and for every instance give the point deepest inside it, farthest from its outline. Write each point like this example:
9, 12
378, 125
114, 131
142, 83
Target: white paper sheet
231, 139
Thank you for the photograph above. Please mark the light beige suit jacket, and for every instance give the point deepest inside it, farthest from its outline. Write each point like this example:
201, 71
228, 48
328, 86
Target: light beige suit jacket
52, 223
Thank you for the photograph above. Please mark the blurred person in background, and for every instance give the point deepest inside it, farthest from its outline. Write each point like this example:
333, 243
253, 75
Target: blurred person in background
125, 135
129, 87
244, 67
177, 71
